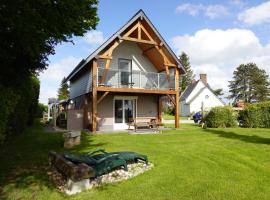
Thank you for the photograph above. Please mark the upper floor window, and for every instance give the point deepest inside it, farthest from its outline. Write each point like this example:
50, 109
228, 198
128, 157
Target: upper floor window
125, 70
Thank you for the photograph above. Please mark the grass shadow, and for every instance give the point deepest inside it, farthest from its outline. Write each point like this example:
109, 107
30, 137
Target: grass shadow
246, 138
24, 158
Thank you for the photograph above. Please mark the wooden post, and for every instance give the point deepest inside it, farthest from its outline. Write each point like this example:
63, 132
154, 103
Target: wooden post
177, 98
159, 109
85, 112
94, 96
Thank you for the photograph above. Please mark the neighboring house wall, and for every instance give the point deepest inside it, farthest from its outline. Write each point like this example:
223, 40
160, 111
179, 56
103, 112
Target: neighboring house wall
193, 103
208, 103
184, 109
195, 91
81, 85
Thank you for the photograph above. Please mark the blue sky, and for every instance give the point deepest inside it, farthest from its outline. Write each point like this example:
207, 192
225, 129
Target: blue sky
217, 36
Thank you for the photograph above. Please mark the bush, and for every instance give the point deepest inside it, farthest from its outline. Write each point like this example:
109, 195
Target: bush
220, 117
8, 100
26, 107
18, 106
41, 108
256, 115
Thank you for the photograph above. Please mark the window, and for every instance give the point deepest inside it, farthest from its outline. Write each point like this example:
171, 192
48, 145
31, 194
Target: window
125, 72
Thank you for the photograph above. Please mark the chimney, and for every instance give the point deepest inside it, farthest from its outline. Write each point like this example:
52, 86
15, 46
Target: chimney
203, 78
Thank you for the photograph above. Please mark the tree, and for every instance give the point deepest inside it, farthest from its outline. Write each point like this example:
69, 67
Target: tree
31, 29
63, 92
218, 92
249, 84
189, 76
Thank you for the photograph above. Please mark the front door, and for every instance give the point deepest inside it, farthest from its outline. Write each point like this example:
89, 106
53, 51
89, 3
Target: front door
124, 110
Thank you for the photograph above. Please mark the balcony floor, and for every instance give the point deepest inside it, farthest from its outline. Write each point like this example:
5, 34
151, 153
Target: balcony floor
135, 90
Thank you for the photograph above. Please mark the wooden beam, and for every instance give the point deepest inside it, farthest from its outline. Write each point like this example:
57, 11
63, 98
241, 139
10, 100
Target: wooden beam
110, 50
102, 97
108, 54
85, 112
104, 57
94, 96
104, 76
160, 50
170, 64
177, 98
146, 33
138, 41
133, 90
132, 30
171, 99
139, 31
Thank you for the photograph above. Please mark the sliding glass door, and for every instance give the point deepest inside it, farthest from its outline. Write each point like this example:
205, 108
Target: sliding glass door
124, 111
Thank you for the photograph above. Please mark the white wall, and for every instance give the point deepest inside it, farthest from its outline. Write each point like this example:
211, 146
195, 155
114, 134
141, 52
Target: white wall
195, 91
211, 101
194, 105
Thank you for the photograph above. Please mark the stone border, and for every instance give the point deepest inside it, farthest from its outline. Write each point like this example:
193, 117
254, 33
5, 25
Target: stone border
70, 187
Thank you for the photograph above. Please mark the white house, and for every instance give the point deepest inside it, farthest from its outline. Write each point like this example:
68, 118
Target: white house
198, 95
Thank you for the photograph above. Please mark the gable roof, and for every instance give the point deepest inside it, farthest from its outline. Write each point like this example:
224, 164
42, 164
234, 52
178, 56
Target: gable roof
138, 15
190, 89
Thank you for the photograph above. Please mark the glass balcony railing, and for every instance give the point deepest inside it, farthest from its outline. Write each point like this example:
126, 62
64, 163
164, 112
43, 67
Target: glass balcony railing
136, 79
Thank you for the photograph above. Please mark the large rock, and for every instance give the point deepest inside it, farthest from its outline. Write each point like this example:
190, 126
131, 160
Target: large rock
72, 138
69, 169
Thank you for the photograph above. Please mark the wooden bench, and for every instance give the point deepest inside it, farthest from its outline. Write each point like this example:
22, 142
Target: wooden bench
144, 122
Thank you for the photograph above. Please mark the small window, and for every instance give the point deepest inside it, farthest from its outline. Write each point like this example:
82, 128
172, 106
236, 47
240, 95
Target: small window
206, 96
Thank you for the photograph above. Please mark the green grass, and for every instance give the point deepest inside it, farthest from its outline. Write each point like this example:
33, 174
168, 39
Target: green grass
171, 117
190, 163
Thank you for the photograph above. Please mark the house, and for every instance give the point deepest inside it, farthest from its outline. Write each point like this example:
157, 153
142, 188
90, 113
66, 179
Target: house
124, 79
197, 96
51, 103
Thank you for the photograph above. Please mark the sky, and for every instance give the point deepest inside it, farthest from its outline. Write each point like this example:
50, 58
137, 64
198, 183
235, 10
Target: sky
218, 36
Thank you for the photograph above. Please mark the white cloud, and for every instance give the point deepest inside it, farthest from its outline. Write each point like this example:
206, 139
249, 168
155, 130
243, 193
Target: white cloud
215, 11
256, 15
219, 52
94, 37
210, 11
191, 9
51, 78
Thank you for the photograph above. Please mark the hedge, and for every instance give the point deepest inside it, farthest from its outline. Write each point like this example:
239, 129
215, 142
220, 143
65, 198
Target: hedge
18, 106
220, 117
8, 99
256, 115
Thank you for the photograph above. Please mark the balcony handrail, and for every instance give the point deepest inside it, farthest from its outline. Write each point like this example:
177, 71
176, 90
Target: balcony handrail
136, 79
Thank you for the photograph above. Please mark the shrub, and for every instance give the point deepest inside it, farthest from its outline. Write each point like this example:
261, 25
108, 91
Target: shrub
8, 101
256, 115
18, 106
220, 117
40, 109
26, 107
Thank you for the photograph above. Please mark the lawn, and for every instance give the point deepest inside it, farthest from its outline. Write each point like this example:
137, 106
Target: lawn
190, 163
